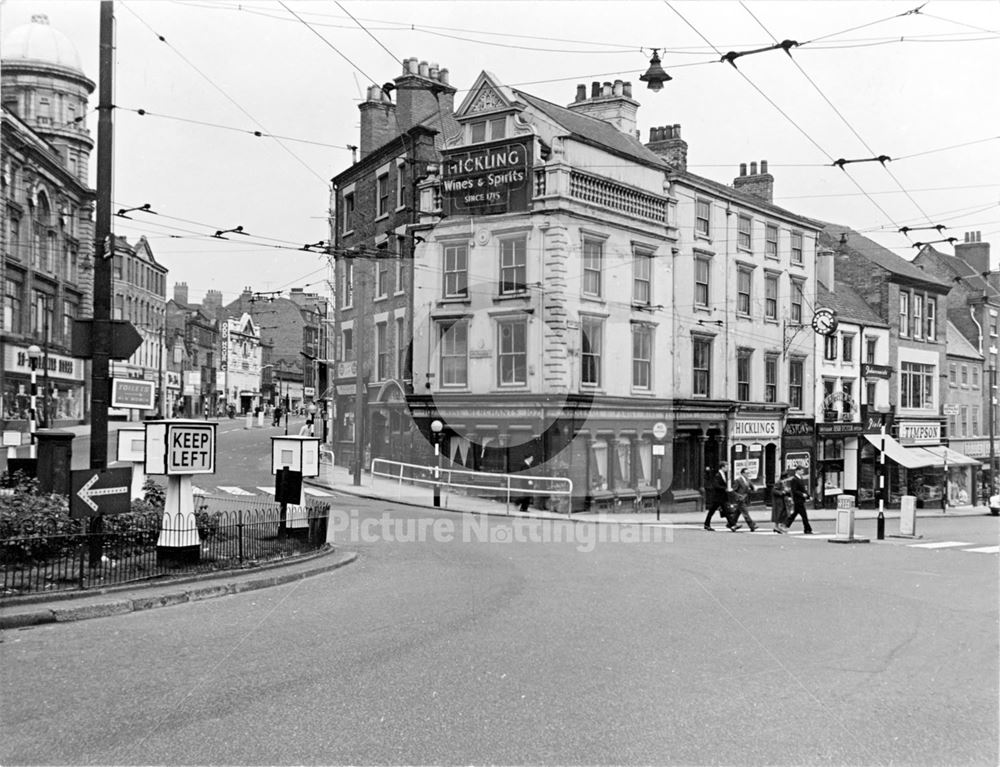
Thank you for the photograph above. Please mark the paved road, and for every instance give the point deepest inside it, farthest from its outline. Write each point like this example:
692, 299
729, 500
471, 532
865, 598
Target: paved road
710, 649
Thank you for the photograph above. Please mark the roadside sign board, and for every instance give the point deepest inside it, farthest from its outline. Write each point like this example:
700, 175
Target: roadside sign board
950, 408
133, 393
100, 491
125, 339
179, 447
132, 444
659, 430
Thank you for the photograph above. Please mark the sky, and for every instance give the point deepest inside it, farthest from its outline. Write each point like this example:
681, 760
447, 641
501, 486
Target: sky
867, 79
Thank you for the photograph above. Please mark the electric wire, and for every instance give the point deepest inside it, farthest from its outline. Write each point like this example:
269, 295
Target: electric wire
222, 91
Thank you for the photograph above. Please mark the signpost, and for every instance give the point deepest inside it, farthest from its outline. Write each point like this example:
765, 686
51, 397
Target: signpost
100, 491
293, 458
659, 449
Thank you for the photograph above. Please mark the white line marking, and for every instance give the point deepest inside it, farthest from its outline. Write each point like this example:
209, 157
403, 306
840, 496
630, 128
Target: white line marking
268, 490
315, 492
985, 550
232, 490
195, 490
939, 545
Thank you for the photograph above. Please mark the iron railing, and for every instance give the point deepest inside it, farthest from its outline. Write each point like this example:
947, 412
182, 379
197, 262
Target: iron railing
234, 533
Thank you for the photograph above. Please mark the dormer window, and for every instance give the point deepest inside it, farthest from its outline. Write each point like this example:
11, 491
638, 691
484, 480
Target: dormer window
489, 130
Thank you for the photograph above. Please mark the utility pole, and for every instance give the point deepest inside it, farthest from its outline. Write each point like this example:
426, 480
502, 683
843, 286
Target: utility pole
46, 329
359, 379
104, 247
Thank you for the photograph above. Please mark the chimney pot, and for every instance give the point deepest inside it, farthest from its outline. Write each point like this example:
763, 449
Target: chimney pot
677, 130
412, 67
423, 69
595, 89
627, 87
753, 168
743, 168
606, 89
581, 92
618, 88
763, 166
443, 76
432, 72
668, 132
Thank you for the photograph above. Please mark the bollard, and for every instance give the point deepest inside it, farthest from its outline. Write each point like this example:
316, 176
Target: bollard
907, 518
845, 521
249, 421
880, 527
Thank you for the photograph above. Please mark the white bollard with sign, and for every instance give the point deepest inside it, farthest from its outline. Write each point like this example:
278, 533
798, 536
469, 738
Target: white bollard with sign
293, 458
179, 449
845, 521
908, 517
11, 440
132, 448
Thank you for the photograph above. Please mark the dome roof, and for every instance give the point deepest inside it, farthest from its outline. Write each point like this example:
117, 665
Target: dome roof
40, 42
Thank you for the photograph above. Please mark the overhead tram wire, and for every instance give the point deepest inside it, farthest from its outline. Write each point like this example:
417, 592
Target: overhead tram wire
840, 114
217, 87
782, 112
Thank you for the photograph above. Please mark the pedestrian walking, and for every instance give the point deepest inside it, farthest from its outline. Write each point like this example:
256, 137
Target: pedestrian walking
742, 488
781, 498
800, 494
717, 498
277, 415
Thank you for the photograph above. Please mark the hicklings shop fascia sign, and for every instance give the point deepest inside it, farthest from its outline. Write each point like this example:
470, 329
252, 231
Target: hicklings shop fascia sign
487, 180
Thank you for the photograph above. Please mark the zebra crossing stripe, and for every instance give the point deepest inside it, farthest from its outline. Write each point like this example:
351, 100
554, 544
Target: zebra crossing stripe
318, 493
985, 550
233, 490
939, 545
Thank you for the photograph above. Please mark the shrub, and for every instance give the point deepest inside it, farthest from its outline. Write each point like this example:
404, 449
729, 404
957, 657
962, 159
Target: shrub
35, 525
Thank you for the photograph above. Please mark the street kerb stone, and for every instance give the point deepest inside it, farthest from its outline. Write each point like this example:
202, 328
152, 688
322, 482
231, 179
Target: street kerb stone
85, 612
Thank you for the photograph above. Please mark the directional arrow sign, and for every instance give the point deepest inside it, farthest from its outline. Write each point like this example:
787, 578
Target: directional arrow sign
125, 339
95, 491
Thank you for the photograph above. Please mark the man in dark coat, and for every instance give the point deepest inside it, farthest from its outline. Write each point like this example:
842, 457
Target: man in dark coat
717, 497
742, 488
800, 494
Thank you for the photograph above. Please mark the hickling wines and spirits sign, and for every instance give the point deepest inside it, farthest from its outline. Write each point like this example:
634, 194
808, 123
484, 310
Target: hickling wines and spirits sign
487, 179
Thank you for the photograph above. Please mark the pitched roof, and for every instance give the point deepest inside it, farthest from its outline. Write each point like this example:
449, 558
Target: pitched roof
882, 257
959, 345
960, 268
595, 131
848, 304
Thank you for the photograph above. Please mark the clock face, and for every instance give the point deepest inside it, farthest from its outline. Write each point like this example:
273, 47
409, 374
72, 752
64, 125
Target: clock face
824, 322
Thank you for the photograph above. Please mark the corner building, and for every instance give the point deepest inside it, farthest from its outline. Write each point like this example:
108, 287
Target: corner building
575, 287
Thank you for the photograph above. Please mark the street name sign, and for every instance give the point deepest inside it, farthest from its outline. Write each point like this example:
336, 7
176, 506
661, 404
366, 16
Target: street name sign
100, 491
180, 447
950, 408
133, 393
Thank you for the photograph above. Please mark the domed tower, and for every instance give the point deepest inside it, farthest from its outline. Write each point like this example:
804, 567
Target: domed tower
44, 85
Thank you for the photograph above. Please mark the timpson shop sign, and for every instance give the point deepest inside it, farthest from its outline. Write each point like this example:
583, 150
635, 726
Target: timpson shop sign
486, 180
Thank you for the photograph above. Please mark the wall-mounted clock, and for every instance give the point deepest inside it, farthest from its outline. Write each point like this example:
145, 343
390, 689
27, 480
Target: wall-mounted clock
824, 322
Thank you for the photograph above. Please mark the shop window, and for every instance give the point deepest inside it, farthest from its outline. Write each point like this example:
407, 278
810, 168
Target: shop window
599, 474
644, 463
623, 468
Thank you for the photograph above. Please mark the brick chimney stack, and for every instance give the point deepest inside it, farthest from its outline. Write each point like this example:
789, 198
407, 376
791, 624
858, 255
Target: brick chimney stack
758, 184
611, 102
212, 302
974, 251
421, 91
181, 293
666, 141
378, 121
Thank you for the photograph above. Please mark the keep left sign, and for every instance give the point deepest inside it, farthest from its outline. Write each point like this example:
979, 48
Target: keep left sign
177, 447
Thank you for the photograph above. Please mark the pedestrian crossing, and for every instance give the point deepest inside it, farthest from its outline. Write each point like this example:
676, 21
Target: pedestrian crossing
244, 493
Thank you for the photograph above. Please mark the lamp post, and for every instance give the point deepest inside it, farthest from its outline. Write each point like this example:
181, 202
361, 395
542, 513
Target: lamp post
34, 354
436, 427
311, 419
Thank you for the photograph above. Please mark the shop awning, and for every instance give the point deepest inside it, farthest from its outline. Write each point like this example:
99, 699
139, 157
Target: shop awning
907, 457
953, 457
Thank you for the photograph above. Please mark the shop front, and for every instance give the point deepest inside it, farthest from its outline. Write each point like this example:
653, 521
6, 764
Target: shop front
698, 447
837, 450
754, 443
798, 445
65, 403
